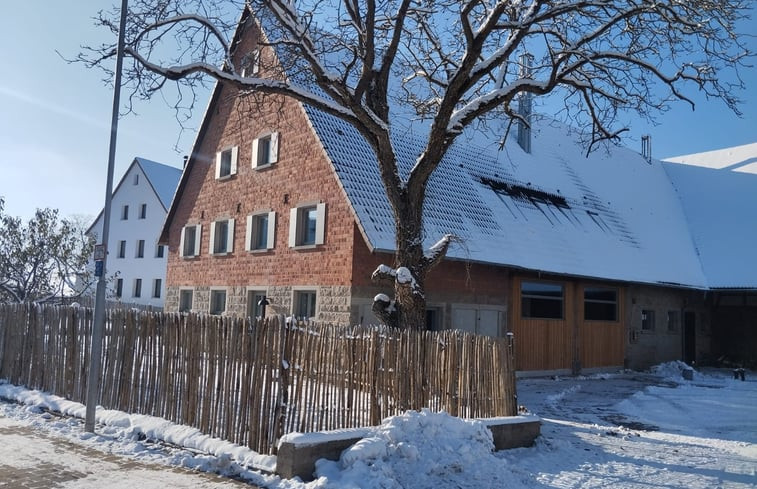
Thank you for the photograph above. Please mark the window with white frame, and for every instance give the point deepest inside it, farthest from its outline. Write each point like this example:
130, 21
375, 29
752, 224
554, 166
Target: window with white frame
250, 65
217, 301
261, 231
186, 297
304, 304
265, 150
222, 237
157, 286
190, 240
307, 225
226, 162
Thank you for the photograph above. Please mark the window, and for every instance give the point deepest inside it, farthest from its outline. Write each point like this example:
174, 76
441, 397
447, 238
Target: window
159, 251
190, 240
185, 300
143, 211
157, 285
250, 64
137, 287
647, 320
122, 249
265, 150
217, 301
222, 237
673, 321
254, 303
136, 179
261, 231
119, 287
600, 304
307, 225
226, 162
304, 304
141, 248
124, 212
541, 300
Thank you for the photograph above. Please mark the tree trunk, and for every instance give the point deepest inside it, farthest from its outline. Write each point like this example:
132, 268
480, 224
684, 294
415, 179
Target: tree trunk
410, 296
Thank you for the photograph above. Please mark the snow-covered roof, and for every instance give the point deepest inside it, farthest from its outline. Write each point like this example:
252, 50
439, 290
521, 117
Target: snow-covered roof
737, 158
611, 215
163, 179
721, 210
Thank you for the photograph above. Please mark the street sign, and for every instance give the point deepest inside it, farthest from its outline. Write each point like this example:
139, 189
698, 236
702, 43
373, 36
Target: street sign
98, 268
99, 252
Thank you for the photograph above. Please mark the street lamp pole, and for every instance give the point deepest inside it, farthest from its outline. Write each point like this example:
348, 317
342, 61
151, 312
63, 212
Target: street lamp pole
93, 376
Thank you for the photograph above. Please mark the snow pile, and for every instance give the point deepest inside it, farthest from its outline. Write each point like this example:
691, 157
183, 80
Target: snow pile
420, 450
673, 371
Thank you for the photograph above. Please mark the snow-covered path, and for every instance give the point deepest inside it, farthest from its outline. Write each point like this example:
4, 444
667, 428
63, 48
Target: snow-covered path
615, 431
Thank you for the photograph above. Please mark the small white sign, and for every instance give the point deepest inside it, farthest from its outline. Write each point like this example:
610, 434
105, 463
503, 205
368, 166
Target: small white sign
99, 252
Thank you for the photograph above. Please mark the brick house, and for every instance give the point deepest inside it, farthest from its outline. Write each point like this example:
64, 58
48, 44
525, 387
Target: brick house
589, 261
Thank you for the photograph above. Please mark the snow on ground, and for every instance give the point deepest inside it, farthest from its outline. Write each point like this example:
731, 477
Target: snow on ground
624, 430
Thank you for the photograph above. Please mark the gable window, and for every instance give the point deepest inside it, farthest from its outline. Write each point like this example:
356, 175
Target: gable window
307, 225
136, 179
261, 231
265, 150
159, 251
124, 212
143, 211
647, 320
137, 287
222, 237
119, 287
190, 240
250, 65
541, 300
600, 304
255, 300
141, 248
304, 304
122, 249
157, 285
185, 300
217, 301
226, 162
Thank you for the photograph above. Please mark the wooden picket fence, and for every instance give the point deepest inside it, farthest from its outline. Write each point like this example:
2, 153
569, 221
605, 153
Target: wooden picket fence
250, 383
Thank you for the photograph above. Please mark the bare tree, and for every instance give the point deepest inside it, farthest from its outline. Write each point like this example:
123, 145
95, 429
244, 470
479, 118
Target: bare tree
43, 260
450, 63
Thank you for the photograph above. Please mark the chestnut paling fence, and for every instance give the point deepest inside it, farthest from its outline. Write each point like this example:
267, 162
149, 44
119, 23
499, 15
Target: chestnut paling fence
251, 382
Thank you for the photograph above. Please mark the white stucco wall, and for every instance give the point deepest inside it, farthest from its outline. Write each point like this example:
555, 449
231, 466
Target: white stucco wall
130, 267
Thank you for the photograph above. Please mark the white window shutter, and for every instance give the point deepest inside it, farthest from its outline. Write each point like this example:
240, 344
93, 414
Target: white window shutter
271, 230
181, 241
320, 223
218, 165
248, 234
273, 148
212, 247
255, 153
293, 227
230, 237
234, 156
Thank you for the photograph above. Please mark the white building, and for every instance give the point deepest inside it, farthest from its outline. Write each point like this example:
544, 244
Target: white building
736, 158
139, 206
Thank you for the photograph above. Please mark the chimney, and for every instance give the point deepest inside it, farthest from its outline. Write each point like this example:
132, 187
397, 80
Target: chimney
646, 147
524, 104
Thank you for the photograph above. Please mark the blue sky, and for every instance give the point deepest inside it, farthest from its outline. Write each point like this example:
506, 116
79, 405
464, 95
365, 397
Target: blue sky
55, 117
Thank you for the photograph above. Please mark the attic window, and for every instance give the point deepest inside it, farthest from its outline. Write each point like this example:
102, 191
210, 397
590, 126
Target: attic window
136, 179
265, 150
226, 162
250, 65
522, 192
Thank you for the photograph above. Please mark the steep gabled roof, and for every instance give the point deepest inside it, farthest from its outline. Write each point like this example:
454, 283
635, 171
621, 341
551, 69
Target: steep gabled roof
611, 215
162, 179
737, 158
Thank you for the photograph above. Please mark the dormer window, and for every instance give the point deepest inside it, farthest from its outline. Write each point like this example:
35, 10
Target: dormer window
265, 150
